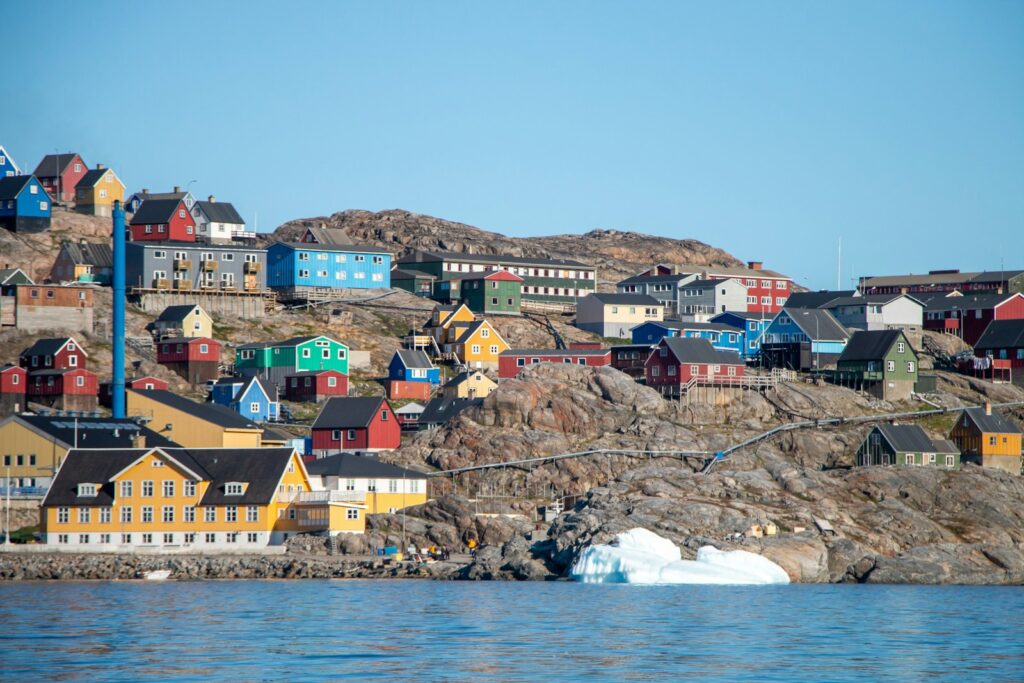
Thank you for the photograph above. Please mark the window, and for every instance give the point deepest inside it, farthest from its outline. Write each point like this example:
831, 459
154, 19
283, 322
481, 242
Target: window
126, 515
766, 301
908, 459
80, 381
780, 284
341, 354
475, 349
188, 488
950, 461
340, 258
910, 366
104, 538
169, 488
352, 513
231, 513
105, 515
210, 538
147, 513
233, 489
210, 514
360, 258
890, 366
252, 513
900, 347
252, 537
383, 416
188, 513
83, 538
62, 538
485, 333
655, 371
992, 441
303, 273
147, 489
84, 515
306, 353
147, 539
87, 490
336, 435
168, 513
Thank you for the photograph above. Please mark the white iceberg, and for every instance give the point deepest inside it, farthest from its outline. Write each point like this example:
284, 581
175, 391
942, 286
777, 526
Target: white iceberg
641, 556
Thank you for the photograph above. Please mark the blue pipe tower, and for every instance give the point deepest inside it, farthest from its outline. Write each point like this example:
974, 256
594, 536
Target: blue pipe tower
117, 386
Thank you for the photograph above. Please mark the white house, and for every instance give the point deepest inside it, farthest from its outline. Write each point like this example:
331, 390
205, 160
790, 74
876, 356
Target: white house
217, 221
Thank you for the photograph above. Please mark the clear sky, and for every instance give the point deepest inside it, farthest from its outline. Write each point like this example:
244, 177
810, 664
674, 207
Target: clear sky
767, 129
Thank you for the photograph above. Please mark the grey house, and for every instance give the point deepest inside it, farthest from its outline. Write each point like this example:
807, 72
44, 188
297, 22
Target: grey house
698, 300
872, 312
193, 266
665, 288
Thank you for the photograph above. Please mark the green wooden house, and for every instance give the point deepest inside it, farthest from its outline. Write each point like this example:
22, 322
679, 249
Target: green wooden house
273, 361
909, 445
415, 281
880, 362
496, 292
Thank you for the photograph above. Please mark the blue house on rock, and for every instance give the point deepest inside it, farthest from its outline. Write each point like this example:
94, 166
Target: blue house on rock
7, 166
250, 397
753, 325
409, 365
298, 269
24, 204
722, 337
803, 339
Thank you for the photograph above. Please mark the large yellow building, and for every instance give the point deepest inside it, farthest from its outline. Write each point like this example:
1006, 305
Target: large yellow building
364, 479
191, 424
988, 438
97, 191
203, 499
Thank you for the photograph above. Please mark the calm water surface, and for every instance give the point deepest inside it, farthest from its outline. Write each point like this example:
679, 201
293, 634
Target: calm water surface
406, 630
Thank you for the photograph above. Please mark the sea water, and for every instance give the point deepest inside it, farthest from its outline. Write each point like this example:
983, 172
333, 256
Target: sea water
308, 630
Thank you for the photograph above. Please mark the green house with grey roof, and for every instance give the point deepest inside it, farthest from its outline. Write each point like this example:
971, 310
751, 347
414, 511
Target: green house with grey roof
879, 362
273, 361
906, 445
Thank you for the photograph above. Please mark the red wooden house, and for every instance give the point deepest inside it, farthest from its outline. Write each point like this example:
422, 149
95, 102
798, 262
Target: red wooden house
61, 172
678, 363
138, 383
397, 389
196, 359
356, 423
163, 219
74, 389
968, 316
514, 361
13, 385
54, 354
314, 386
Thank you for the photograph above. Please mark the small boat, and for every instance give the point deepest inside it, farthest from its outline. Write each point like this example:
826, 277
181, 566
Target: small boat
157, 575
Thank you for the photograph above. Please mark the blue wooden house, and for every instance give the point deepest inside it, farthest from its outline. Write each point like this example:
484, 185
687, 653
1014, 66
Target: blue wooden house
250, 397
24, 204
803, 339
7, 166
408, 365
297, 270
753, 326
722, 337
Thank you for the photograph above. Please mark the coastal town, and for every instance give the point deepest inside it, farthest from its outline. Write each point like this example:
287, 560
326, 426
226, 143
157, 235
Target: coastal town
216, 442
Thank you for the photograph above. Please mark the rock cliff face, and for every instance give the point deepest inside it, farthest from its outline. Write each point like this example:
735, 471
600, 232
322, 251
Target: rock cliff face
616, 254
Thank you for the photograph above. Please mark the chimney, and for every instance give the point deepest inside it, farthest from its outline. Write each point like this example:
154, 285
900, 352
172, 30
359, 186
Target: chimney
100, 167
138, 441
177, 188
988, 408
145, 190
211, 199
755, 265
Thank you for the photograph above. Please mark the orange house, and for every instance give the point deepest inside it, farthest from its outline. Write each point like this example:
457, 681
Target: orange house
988, 438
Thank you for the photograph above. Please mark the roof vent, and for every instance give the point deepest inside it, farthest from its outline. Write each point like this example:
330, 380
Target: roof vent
211, 199
755, 265
177, 188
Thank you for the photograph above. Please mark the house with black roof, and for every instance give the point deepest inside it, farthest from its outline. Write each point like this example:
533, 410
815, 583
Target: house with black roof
183, 320
83, 261
1003, 340
881, 362
988, 438
356, 423
162, 220
217, 222
906, 445
366, 479
444, 408
193, 425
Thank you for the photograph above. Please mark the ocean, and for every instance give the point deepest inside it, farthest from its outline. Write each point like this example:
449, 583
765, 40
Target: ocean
309, 630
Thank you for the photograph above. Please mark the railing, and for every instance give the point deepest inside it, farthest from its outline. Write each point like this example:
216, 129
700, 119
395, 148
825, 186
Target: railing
161, 284
182, 263
312, 497
209, 264
251, 267
23, 491
182, 284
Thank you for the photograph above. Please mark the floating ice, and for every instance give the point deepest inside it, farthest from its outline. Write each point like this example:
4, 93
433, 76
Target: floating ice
641, 556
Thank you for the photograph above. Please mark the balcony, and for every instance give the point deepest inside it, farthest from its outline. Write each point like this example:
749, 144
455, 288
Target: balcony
182, 264
321, 497
161, 283
182, 285
252, 267
209, 265
228, 286
207, 284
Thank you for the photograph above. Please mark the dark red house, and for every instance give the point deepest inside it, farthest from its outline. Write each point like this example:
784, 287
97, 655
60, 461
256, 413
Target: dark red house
54, 354
1003, 343
61, 172
163, 219
315, 385
514, 361
356, 423
196, 359
13, 385
679, 362
75, 389
631, 358
968, 316
139, 383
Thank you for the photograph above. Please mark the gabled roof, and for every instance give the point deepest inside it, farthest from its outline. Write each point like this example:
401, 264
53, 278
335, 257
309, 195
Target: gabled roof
870, 345
220, 212
269, 390
1002, 334
341, 248
98, 254
94, 175
411, 408
463, 376
156, 211
624, 299
10, 160
11, 187
93, 432
440, 409
147, 196
817, 324
707, 283
873, 299
209, 412
10, 276
556, 352
58, 371
50, 347
939, 278
414, 358
324, 235
996, 422
352, 466
651, 279
177, 313
476, 325
967, 302
689, 350
913, 439
488, 275
408, 274
746, 315
817, 299
422, 256
348, 412
54, 164
188, 340
260, 468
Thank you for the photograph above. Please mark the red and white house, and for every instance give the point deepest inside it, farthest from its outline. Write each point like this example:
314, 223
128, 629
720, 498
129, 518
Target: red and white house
13, 385
64, 389
59, 353
968, 315
314, 386
163, 219
196, 359
514, 361
678, 363
356, 423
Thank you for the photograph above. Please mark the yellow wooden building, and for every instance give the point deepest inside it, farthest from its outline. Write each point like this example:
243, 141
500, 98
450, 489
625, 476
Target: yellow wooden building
32, 447
191, 424
97, 191
469, 384
380, 486
198, 498
478, 346
184, 320
988, 438
447, 323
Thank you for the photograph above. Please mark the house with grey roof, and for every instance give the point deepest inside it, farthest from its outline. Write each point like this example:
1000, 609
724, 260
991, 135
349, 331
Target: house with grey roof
880, 362
803, 339
988, 438
615, 315
701, 298
218, 222
906, 445
83, 261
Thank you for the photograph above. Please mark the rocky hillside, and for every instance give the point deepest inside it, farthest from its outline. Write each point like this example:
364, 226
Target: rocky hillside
616, 254
35, 252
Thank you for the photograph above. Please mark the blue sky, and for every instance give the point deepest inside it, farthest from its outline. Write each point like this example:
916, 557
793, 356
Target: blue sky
767, 129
